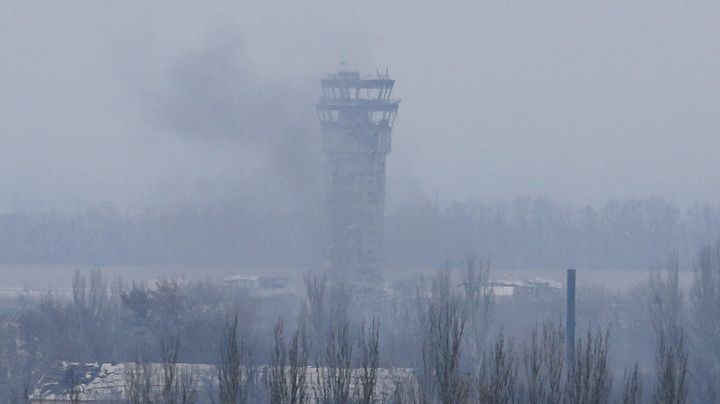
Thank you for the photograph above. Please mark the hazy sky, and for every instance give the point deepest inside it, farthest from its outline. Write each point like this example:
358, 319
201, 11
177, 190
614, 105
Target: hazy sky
162, 104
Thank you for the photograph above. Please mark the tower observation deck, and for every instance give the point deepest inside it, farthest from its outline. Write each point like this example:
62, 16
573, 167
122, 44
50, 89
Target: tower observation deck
357, 115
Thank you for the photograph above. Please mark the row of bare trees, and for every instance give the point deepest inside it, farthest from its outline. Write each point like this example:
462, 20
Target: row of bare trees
169, 382
682, 321
452, 322
347, 367
444, 324
537, 374
451, 371
178, 385
287, 372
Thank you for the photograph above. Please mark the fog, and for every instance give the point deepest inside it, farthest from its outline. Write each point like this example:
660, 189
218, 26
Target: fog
164, 203
161, 105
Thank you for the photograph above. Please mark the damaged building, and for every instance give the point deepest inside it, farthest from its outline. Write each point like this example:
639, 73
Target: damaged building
357, 116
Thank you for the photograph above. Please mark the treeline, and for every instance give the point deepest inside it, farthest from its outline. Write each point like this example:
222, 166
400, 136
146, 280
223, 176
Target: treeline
105, 236
538, 233
525, 233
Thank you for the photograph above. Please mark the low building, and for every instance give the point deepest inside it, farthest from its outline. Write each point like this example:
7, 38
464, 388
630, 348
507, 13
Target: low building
262, 286
531, 287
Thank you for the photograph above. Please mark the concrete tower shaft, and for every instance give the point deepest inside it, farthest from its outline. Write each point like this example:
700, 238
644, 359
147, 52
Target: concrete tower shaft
357, 116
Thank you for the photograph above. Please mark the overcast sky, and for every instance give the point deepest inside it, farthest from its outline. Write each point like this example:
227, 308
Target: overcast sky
164, 104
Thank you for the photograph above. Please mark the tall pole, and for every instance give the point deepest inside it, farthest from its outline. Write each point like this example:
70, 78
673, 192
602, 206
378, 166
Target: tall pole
570, 317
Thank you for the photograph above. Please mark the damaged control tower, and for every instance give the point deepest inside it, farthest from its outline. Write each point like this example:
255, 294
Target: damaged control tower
357, 116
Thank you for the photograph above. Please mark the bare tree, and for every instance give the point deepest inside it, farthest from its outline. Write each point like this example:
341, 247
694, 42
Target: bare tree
90, 309
97, 295
186, 386
671, 356
315, 286
543, 362
705, 305
340, 298
169, 349
478, 300
443, 340
589, 380
335, 376
78, 289
671, 367
369, 344
275, 377
297, 366
232, 370
421, 325
405, 392
497, 379
72, 380
138, 382
666, 300
632, 389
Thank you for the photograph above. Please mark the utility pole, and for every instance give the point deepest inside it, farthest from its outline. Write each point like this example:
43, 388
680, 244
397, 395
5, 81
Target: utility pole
570, 318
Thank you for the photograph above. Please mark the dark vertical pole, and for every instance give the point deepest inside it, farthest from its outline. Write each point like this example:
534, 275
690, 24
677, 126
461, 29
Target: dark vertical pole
570, 317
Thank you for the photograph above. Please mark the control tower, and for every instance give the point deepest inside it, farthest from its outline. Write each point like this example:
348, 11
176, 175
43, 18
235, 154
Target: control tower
357, 115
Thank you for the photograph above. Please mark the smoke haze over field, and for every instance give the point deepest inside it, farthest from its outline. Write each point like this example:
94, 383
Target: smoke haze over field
160, 105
